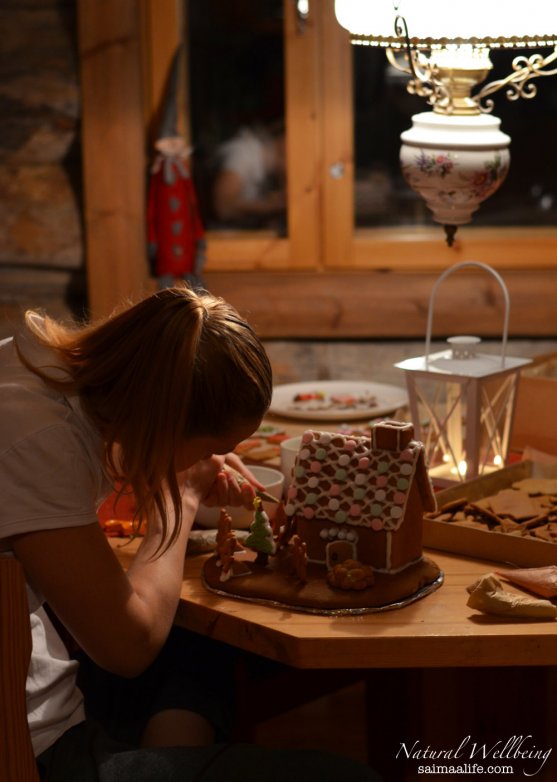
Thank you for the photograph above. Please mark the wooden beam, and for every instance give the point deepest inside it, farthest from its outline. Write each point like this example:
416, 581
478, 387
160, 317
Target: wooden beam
385, 304
113, 151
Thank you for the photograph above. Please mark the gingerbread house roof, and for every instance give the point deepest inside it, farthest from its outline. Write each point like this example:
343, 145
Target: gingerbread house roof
359, 481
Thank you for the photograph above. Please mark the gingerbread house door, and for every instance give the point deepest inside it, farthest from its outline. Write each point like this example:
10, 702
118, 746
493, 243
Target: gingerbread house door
339, 550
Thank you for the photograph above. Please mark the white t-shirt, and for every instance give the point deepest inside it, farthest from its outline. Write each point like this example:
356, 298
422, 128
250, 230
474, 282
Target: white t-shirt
51, 476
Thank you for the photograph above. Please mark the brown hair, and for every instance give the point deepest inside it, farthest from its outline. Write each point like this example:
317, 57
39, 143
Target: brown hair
177, 364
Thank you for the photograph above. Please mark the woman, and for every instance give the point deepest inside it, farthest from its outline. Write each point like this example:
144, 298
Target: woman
154, 398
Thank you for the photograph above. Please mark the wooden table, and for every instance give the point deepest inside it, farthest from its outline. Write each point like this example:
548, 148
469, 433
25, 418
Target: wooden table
436, 631
434, 671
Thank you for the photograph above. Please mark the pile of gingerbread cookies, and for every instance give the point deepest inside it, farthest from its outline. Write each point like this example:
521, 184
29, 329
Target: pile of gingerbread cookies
526, 509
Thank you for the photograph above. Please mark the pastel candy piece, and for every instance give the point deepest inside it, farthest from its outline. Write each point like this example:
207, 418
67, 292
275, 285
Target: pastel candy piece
350, 445
381, 480
309, 513
334, 504
380, 494
355, 509
402, 484
292, 492
315, 466
313, 482
399, 498
377, 524
304, 453
382, 467
340, 516
360, 479
340, 475
359, 494
321, 454
299, 471
289, 509
307, 437
376, 509
406, 455
325, 438
396, 512
334, 491
406, 468
363, 464
311, 498
343, 460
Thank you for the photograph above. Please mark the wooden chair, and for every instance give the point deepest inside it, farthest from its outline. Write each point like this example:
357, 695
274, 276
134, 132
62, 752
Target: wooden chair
17, 761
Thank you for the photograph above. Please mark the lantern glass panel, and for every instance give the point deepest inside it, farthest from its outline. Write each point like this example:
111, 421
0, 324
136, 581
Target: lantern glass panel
464, 423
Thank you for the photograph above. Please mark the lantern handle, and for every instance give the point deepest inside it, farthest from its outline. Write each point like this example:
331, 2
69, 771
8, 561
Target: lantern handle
444, 275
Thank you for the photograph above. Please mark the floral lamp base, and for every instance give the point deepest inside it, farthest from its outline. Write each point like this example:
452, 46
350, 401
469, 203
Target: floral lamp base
454, 163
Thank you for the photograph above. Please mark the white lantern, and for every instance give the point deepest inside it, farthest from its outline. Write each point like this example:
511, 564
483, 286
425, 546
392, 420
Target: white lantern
462, 401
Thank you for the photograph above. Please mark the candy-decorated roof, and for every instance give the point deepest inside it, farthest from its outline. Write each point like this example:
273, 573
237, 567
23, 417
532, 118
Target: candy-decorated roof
355, 480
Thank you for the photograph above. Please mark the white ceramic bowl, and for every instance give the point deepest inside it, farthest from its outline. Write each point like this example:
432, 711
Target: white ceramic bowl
272, 480
288, 452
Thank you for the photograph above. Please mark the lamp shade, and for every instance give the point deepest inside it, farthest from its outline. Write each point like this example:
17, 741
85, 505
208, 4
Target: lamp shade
438, 22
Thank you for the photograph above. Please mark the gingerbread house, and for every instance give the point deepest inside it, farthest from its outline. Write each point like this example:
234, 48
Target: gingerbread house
361, 498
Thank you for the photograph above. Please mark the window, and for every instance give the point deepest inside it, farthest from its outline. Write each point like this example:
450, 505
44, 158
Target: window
347, 205
347, 213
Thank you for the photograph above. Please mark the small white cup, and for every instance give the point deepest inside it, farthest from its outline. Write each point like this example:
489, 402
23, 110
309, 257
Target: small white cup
288, 452
272, 480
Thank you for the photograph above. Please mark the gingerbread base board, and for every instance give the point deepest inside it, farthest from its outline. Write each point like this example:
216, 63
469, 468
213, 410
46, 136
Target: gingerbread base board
274, 585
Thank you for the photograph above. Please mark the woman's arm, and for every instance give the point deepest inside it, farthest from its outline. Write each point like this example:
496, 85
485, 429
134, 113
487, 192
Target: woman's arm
120, 619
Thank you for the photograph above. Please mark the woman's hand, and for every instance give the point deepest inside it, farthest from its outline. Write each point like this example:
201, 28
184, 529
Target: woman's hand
235, 486
203, 478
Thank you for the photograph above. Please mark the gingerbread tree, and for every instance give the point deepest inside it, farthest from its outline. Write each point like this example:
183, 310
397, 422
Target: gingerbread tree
261, 537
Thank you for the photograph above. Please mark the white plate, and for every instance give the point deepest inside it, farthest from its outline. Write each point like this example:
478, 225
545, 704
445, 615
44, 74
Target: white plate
388, 398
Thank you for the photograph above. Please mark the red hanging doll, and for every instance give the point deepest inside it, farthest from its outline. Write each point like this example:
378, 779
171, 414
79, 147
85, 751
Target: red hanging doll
175, 231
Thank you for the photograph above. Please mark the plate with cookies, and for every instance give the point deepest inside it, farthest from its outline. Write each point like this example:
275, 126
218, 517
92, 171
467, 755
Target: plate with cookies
333, 400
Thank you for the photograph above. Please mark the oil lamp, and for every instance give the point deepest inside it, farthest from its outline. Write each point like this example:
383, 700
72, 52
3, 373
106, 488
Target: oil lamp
462, 401
456, 156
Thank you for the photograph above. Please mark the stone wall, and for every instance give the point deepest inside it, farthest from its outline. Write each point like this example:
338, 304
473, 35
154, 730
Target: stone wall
41, 235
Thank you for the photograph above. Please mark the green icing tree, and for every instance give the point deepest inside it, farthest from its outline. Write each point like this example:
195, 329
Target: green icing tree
261, 537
